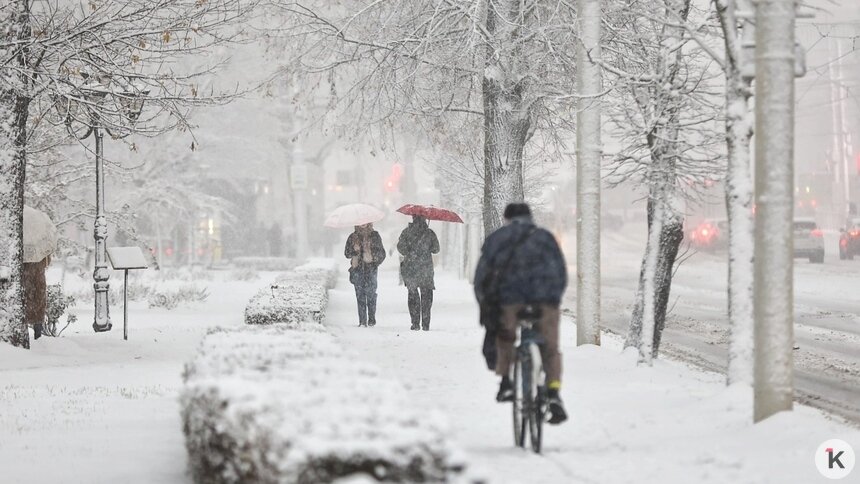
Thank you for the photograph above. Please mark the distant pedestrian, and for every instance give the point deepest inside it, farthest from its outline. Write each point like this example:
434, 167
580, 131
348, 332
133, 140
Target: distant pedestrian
365, 251
417, 244
35, 294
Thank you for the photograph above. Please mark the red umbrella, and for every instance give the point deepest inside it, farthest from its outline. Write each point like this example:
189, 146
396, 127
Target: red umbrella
430, 213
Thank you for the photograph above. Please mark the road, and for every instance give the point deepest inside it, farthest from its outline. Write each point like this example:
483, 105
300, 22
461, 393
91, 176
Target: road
827, 316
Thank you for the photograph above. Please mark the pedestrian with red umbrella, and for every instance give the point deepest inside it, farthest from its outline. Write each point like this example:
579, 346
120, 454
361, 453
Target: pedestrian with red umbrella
417, 244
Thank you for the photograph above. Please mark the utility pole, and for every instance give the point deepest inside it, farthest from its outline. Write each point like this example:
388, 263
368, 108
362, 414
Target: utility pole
845, 133
838, 167
588, 149
774, 195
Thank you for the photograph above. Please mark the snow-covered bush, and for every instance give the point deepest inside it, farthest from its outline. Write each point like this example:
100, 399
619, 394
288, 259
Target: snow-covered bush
244, 274
172, 298
324, 268
137, 291
266, 263
188, 274
57, 303
282, 404
298, 295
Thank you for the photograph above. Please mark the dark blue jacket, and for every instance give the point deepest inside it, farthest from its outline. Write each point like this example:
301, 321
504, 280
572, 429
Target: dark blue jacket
537, 272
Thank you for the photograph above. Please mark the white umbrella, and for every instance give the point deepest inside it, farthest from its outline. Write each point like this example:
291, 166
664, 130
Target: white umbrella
40, 235
353, 214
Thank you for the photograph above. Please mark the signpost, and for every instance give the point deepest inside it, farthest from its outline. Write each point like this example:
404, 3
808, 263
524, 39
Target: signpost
125, 259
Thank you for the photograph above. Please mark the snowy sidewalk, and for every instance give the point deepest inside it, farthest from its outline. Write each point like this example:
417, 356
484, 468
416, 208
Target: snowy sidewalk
91, 408
666, 424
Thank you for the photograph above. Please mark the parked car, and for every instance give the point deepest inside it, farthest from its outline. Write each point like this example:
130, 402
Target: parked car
808, 240
710, 235
849, 240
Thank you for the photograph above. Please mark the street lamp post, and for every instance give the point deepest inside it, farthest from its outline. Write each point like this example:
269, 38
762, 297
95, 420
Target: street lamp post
95, 92
101, 320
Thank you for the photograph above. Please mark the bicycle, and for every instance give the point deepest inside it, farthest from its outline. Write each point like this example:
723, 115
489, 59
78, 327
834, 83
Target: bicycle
529, 380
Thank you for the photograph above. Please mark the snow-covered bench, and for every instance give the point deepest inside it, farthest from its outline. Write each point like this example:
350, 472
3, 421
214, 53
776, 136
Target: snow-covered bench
282, 404
298, 295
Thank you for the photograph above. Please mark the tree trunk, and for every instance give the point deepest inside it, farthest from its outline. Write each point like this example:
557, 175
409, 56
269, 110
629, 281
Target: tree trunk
665, 234
671, 236
507, 117
13, 119
739, 210
738, 197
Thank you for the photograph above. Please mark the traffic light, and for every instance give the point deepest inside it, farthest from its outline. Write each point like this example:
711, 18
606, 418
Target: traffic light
392, 182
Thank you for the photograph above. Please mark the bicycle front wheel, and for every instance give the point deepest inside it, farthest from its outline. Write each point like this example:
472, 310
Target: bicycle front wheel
520, 420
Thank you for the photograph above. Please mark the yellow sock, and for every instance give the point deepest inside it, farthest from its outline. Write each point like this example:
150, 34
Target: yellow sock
554, 385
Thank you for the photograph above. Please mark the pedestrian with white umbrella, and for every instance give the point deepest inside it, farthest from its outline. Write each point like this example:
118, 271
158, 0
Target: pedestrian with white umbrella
365, 252
40, 242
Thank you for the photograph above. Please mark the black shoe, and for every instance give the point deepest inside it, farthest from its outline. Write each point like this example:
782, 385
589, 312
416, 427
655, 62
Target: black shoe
557, 414
362, 325
371, 323
506, 391
425, 327
415, 327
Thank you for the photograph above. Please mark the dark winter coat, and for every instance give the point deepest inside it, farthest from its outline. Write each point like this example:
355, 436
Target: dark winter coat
417, 244
364, 270
536, 273
35, 291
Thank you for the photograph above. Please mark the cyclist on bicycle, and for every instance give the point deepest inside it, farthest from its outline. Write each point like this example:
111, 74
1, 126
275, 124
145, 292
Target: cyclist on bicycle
522, 264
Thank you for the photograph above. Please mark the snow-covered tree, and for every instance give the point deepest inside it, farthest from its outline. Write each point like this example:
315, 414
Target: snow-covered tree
666, 119
50, 51
14, 30
739, 191
503, 66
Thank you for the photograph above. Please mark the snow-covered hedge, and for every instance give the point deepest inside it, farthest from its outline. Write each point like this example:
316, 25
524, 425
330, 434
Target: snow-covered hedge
325, 269
282, 404
266, 263
298, 295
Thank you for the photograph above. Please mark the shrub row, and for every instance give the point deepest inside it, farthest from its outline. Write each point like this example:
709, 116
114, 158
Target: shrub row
298, 295
283, 404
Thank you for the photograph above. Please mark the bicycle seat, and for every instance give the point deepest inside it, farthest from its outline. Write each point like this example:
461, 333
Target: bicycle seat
529, 313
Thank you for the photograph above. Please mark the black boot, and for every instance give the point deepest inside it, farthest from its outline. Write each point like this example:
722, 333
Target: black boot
556, 407
415, 327
37, 330
506, 390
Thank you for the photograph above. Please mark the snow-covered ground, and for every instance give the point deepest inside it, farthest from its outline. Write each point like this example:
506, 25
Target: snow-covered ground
667, 424
91, 408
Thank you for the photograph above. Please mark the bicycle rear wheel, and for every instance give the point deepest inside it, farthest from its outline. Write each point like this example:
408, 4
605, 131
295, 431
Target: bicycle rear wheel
535, 398
520, 419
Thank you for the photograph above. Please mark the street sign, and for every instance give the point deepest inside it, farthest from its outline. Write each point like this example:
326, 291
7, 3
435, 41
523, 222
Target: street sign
122, 258
125, 259
299, 176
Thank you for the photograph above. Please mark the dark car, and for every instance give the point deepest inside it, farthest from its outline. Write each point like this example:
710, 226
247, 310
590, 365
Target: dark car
849, 240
